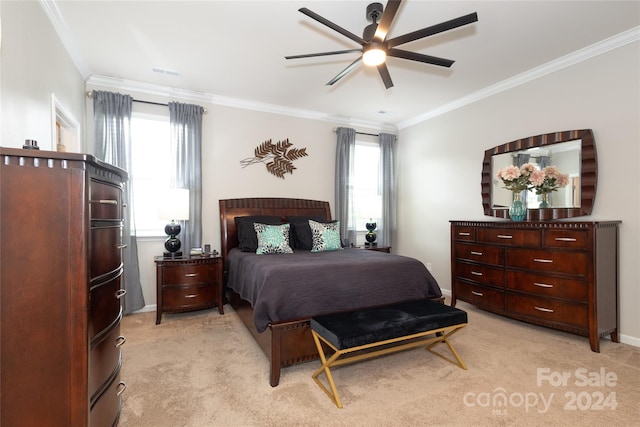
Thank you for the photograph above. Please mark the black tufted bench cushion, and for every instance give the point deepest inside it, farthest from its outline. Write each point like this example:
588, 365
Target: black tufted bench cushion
375, 331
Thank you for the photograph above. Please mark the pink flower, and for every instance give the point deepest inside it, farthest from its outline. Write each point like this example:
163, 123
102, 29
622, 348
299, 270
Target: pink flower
527, 169
509, 173
562, 180
537, 178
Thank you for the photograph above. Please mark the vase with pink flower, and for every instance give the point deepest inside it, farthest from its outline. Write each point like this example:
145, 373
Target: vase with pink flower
517, 180
547, 180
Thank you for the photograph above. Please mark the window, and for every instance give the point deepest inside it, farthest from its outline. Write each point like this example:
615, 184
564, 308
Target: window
151, 161
367, 197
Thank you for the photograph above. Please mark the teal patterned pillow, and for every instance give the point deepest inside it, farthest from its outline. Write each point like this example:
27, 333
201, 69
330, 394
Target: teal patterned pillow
326, 236
272, 239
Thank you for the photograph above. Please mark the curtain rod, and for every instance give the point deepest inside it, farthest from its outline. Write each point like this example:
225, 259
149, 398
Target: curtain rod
360, 133
90, 95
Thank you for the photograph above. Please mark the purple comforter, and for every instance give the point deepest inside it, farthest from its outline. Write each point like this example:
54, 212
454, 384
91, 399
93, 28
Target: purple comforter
306, 284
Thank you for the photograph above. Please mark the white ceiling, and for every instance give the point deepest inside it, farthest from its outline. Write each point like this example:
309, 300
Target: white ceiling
233, 51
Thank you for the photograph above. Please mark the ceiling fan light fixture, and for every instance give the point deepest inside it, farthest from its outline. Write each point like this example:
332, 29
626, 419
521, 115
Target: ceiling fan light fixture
374, 56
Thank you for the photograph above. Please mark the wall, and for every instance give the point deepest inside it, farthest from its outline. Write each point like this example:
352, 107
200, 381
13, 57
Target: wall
441, 160
34, 64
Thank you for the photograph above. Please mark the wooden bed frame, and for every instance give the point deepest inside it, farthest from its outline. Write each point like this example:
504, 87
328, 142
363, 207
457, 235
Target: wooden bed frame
288, 342
284, 343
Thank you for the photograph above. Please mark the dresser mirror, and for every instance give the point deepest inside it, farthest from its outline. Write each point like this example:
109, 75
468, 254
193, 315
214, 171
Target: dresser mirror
574, 153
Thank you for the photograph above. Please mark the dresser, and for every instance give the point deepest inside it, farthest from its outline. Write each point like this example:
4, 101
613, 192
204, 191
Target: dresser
60, 289
562, 275
188, 283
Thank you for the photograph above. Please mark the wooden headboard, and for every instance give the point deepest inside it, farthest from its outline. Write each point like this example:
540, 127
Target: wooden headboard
231, 208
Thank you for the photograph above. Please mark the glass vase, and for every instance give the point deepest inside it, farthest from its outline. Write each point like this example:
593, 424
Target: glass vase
544, 200
517, 211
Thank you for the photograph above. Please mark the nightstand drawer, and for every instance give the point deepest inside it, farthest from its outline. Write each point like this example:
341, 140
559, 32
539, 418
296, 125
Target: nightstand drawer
185, 296
189, 274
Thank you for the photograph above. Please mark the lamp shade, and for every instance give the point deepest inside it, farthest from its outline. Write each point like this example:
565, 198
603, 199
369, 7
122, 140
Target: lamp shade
175, 206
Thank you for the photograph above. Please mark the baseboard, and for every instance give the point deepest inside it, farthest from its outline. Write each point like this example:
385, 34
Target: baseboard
146, 309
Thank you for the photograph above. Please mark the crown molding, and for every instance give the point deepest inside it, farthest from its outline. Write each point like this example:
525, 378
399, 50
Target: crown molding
606, 45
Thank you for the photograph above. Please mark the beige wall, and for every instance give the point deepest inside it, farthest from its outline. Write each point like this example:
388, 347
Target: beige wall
34, 64
441, 160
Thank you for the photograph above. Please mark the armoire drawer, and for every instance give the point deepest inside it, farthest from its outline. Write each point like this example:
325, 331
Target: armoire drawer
186, 296
105, 201
480, 296
546, 260
552, 310
484, 254
103, 360
510, 236
548, 286
483, 274
106, 255
104, 306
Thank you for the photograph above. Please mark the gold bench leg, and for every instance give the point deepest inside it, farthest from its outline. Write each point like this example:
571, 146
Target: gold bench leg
333, 394
445, 339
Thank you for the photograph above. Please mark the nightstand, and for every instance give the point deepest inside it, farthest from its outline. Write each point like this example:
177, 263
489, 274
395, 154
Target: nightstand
386, 249
188, 283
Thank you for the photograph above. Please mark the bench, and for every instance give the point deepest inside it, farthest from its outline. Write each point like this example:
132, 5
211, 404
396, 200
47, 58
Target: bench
372, 332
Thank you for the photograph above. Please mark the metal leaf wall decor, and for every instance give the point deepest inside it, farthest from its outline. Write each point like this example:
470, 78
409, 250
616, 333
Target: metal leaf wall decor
277, 157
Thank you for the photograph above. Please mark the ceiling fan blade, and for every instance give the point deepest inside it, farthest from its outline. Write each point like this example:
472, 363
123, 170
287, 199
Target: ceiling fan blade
384, 73
434, 29
333, 26
385, 21
344, 72
310, 55
413, 56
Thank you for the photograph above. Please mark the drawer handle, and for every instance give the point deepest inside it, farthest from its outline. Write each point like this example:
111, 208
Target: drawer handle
542, 285
548, 261
546, 310
566, 239
121, 246
190, 274
464, 234
479, 294
476, 253
476, 273
120, 341
504, 236
121, 388
120, 293
191, 296
104, 202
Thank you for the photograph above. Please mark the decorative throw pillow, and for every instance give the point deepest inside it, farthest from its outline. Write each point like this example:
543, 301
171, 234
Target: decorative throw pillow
272, 239
326, 236
301, 236
247, 239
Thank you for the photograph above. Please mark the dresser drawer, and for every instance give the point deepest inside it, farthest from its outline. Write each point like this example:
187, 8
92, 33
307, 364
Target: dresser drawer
510, 236
188, 296
480, 296
548, 286
104, 306
478, 253
106, 410
548, 309
105, 201
545, 260
573, 239
106, 255
187, 274
464, 234
480, 273
103, 360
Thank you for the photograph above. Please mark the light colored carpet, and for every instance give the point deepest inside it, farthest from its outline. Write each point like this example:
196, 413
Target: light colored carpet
203, 369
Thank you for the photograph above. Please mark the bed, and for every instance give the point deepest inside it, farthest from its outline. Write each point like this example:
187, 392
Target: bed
276, 308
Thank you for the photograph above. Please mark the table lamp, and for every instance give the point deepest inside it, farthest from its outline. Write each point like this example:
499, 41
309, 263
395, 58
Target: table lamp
175, 208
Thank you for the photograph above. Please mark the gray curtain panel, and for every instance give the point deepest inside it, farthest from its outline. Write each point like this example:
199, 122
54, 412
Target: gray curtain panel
521, 159
185, 121
388, 188
112, 139
345, 149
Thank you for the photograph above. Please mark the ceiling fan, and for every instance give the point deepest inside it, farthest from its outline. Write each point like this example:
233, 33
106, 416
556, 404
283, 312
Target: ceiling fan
375, 45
